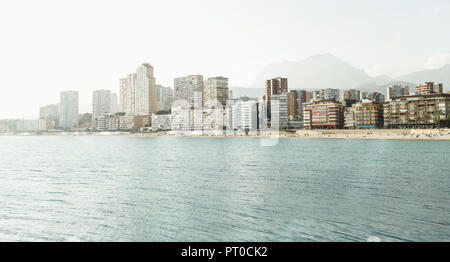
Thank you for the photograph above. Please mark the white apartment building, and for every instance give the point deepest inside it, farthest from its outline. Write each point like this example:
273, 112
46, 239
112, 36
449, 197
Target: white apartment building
68, 109
216, 88
101, 103
161, 122
279, 107
245, 115
138, 94
188, 89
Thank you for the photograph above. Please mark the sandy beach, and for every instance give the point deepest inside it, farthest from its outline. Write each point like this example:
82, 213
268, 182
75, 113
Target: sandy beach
397, 134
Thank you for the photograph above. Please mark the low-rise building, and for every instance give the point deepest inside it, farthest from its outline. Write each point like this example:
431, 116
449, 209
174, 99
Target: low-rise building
161, 122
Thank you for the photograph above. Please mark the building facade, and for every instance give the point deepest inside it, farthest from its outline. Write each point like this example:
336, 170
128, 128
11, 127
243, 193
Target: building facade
190, 89
323, 114
397, 90
68, 109
429, 110
429, 88
215, 88
279, 110
274, 86
101, 103
368, 115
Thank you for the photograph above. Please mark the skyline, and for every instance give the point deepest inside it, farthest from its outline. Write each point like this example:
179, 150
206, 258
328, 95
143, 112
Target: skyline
59, 51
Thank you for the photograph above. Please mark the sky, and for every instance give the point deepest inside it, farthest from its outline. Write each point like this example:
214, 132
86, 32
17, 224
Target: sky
48, 46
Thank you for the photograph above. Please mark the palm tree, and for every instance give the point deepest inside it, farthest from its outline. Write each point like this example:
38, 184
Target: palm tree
426, 118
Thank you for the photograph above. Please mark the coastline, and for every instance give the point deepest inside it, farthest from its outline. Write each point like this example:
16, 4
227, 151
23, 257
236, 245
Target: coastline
374, 134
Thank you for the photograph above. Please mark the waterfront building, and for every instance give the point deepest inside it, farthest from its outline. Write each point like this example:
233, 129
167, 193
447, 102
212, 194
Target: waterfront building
161, 122
49, 112
138, 94
68, 109
274, 86
245, 115
181, 116
189, 88
397, 90
349, 117
368, 114
429, 110
27, 125
101, 103
429, 88
279, 110
45, 125
127, 94
142, 121
145, 95
164, 97
215, 88
324, 114
293, 113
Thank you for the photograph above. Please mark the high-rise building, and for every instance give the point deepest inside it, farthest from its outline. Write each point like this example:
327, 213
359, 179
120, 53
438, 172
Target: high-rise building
429, 88
279, 110
68, 109
145, 96
396, 91
49, 112
274, 86
293, 105
189, 88
138, 94
244, 115
127, 94
164, 97
215, 88
101, 103
324, 114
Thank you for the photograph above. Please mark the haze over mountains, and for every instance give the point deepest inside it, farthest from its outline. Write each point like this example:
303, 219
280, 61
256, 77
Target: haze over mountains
327, 71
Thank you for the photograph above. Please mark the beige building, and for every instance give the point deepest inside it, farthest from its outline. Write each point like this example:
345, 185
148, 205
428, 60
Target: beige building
138, 94
429, 88
368, 115
430, 110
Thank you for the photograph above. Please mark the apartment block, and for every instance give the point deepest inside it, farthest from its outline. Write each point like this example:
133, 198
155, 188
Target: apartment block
429, 110
324, 114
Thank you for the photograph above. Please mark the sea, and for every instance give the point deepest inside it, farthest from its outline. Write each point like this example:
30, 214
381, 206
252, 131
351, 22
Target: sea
165, 189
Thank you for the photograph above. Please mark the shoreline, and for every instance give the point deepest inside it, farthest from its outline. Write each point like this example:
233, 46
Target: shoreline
359, 134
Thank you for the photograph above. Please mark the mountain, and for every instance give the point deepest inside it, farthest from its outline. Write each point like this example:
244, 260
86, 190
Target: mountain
327, 71
441, 75
315, 72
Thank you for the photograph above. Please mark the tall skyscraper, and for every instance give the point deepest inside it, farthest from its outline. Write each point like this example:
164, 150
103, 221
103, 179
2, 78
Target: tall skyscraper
68, 109
145, 96
138, 94
101, 103
188, 88
274, 86
215, 88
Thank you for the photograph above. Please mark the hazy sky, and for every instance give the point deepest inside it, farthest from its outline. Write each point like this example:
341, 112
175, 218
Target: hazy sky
48, 46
